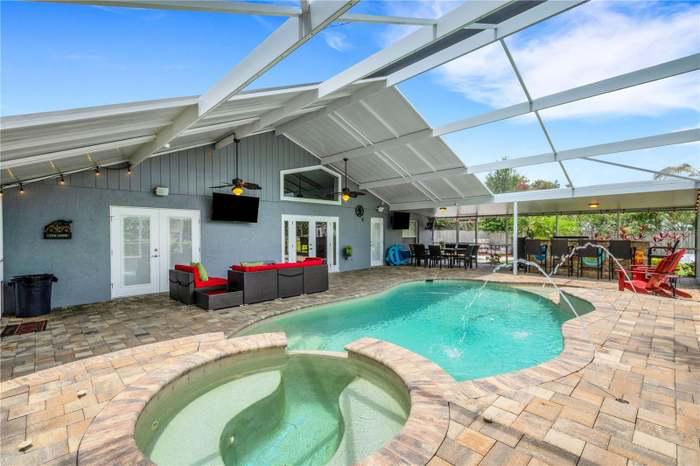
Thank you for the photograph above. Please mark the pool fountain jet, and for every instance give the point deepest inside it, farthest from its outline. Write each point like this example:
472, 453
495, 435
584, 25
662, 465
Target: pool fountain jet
549, 280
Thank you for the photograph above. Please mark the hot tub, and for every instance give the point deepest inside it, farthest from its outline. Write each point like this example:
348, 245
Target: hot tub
272, 409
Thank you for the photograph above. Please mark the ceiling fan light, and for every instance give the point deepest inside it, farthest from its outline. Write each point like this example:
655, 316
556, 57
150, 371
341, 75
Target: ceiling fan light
345, 197
237, 190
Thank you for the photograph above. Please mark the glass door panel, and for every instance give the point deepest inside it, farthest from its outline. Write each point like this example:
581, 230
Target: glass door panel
134, 250
377, 242
302, 240
321, 240
180, 241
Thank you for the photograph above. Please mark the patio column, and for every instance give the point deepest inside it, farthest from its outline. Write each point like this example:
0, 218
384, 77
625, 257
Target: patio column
556, 225
515, 237
476, 230
697, 246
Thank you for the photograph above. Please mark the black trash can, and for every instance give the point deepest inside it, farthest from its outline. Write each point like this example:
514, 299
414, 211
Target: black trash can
33, 294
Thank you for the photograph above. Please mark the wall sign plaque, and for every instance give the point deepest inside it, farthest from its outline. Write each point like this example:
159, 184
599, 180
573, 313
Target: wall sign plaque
58, 229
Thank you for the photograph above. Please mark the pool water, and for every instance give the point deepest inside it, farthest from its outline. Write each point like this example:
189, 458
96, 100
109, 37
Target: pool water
286, 410
505, 329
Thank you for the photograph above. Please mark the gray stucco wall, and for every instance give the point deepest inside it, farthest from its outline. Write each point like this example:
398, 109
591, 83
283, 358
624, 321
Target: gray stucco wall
82, 264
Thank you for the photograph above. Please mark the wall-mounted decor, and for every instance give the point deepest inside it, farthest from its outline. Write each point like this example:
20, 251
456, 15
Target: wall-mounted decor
360, 211
58, 229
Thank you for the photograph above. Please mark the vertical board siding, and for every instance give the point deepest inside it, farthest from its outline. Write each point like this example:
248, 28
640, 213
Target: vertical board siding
192, 171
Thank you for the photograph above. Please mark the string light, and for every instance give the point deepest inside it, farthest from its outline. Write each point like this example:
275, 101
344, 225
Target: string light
128, 169
21, 188
61, 180
97, 171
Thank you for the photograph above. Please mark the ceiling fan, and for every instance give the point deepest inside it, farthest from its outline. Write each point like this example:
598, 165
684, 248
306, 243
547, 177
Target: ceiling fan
346, 194
237, 185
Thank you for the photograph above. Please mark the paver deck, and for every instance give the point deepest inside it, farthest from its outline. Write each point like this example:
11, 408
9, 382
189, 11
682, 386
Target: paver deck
646, 353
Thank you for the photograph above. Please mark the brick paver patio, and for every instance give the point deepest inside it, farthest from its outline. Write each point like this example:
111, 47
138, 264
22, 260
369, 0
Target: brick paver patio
647, 354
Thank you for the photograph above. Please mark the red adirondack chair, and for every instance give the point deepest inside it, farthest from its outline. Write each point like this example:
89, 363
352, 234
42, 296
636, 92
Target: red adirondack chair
654, 280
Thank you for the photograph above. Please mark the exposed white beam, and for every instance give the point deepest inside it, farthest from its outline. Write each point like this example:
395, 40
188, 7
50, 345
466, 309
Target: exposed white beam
82, 114
64, 154
293, 33
381, 19
451, 172
283, 41
218, 126
481, 39
9, 146
270, 118
678, 137
659, 140
469, 12
379, 146
362, 93
605, 86
554, 194
209, 6
646, 170
249, 8
653, 73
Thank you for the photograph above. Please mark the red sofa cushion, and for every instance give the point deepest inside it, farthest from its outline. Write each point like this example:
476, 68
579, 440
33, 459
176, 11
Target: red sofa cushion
309, 261
213, 281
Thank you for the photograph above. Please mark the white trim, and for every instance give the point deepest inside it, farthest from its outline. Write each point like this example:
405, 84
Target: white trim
605, 86
210, 6
468, 12
337, 175
552, 194
528, 18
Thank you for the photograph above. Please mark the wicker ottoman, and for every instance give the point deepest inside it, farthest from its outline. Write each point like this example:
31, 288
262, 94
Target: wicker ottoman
217, 299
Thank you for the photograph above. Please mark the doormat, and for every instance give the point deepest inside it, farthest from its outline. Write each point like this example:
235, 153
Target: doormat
24, 328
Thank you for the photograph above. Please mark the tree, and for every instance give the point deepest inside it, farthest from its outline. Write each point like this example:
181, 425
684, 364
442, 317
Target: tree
506, 180
544, 184
682, 169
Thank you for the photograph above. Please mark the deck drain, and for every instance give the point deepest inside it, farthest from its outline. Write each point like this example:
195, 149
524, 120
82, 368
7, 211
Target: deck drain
622, 400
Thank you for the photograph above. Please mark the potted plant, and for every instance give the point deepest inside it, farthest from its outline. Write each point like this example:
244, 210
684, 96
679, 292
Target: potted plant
347, 252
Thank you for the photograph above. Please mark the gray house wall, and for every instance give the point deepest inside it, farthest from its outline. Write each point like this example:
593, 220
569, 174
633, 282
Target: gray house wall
82, 264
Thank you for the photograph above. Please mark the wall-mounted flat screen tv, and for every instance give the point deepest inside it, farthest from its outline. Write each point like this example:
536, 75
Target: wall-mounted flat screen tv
230, 208
400, 220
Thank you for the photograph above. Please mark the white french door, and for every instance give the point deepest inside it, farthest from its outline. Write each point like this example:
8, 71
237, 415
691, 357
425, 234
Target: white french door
146, 243
305, 236
376, 241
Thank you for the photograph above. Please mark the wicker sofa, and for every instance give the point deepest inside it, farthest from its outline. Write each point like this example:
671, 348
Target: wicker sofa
272, 281
184, 281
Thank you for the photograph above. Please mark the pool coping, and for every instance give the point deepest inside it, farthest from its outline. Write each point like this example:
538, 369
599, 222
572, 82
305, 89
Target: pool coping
109, 432
110, 437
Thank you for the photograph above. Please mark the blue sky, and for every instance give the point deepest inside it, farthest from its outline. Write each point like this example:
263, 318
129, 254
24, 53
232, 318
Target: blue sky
56, 56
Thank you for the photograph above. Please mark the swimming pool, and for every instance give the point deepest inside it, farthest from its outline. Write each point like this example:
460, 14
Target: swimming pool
505, 329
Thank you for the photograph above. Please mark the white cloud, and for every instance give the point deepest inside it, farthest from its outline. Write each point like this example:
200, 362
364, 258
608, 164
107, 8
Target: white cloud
593, 42
337, 40
413, 8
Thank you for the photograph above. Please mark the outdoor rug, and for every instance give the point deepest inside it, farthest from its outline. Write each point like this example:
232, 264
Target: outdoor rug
24, 328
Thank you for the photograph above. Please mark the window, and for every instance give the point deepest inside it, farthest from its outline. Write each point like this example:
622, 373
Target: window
310, 184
